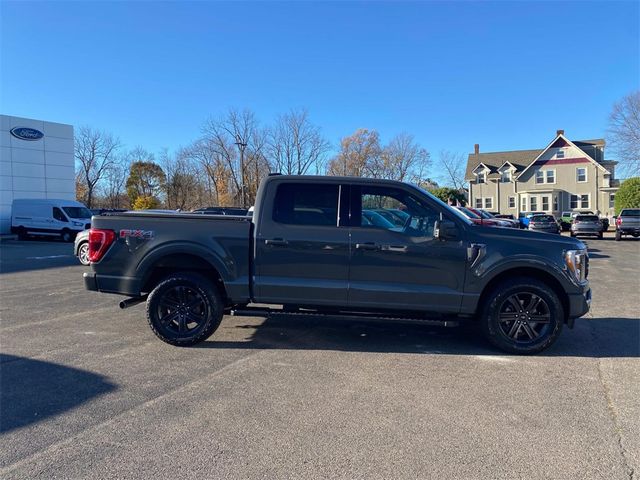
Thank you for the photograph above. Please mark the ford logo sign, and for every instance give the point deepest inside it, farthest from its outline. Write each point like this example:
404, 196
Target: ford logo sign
26, 133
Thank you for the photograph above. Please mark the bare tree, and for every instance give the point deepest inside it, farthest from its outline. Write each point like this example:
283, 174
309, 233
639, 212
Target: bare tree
115, 177
452, 169
95, 152
624, 133
399, 159
295, 145
359, 153
183, 186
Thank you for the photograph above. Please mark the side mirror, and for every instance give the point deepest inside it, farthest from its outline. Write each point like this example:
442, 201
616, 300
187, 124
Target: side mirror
445, 230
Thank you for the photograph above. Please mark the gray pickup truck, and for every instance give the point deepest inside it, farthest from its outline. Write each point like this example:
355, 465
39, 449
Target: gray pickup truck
312, 246
628, 223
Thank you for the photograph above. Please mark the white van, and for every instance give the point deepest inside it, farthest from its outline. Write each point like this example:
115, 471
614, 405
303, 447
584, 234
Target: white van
49, 217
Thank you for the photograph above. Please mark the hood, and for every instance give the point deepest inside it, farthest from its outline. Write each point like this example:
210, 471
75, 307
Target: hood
527, 238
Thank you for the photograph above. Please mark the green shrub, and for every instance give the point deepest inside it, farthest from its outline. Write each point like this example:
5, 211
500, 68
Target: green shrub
628, 196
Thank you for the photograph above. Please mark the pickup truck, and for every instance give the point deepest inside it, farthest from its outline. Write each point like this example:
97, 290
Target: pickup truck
628, 223
308, 248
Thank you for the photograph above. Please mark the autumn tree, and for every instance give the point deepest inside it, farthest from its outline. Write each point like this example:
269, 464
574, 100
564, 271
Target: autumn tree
146, 179
624, 133
295, 145
358, 156
95, 152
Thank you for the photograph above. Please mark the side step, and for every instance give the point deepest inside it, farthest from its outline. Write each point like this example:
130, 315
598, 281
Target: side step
266, 312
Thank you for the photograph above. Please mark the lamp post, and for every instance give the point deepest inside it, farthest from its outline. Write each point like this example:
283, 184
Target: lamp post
241, 146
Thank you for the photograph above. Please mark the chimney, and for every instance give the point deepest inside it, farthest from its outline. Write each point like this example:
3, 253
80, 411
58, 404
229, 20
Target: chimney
476, 148
559, 132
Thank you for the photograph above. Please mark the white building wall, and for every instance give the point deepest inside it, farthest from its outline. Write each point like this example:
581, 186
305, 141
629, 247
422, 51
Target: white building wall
41, 168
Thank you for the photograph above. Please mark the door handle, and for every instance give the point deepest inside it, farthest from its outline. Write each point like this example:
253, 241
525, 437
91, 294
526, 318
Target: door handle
395, 248
276, 242
366, 246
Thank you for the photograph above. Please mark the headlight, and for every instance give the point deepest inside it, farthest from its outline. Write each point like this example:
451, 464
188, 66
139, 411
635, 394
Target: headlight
577, 262
77, 224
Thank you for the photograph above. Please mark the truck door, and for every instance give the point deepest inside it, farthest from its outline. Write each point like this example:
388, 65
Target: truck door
301, 252
396, 262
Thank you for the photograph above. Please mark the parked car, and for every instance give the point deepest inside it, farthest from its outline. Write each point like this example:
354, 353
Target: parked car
49, 217
565, 220
81, 247
478, 220
628, 223
307, 247
544, 223
586, 225
507, 222
508, 216
524, 217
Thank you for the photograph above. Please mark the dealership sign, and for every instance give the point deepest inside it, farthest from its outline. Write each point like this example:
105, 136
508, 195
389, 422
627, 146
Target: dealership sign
26, 133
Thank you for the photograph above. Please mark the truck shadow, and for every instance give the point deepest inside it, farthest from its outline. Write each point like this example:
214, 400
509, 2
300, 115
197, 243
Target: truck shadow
33, 390
598, 338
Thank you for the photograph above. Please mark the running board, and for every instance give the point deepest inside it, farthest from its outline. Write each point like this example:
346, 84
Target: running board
266, 312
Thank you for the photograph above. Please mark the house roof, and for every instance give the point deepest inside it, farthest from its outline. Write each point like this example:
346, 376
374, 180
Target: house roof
520, 159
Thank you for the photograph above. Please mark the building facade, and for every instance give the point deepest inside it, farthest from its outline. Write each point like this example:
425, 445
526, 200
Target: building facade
36, 161
565, 175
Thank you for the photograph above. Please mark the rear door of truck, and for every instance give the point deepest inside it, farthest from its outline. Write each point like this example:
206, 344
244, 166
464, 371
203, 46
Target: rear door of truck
301, 252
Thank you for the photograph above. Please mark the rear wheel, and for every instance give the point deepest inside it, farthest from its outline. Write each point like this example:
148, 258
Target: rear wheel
618, 235
184, 309
22, 233
83, 253
66, 235
522, 315
600, 235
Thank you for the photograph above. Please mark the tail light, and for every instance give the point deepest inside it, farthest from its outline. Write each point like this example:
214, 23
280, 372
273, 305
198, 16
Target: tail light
619, 221
99, 242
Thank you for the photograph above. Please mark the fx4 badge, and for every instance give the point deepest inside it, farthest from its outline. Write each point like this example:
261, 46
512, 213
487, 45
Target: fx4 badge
139, 234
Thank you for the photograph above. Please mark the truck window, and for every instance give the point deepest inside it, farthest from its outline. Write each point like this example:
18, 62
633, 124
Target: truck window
306, 204
58, 215
392, 209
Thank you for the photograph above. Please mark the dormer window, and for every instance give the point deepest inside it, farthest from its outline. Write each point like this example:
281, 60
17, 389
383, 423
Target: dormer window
506, 176
482, 177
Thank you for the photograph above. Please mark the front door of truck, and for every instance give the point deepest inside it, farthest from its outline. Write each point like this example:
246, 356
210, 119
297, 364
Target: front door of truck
396, 262
301, 252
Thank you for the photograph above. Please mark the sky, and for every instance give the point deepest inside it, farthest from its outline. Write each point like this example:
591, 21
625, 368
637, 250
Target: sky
505, 75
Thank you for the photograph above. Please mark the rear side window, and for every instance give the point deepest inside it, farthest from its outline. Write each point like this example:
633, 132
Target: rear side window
630, 212
306, 204
58, 215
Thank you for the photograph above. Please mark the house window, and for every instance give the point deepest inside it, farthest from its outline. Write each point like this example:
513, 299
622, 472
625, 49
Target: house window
545, 204
560, 153
551, 176
478, 203
612, 200
506, 176
581, 174
574, 202
555, 203
512, 202
584, 200
540, 176
482, 178
488, 203
533, 203
523, 204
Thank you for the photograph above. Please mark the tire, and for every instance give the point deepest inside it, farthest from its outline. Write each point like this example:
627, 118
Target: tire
512, 330
180, 300
572, 234
66, 235
600, 236
83, 253
618, 235
22, 233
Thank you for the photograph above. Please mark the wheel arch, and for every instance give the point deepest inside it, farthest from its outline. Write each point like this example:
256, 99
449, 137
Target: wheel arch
530, 272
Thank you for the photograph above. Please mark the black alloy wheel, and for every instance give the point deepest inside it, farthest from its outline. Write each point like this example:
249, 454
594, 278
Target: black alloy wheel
184, 309
522, 315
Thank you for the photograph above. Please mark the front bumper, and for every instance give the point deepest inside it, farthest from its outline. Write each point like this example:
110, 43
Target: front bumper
579, 303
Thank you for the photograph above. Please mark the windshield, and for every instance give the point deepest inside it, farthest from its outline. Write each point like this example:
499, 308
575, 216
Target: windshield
468, 212
630, 212
77, 212
587, 218
484, 214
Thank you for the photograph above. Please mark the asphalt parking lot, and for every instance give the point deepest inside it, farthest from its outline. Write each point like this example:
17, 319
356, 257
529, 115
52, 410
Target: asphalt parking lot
87, 391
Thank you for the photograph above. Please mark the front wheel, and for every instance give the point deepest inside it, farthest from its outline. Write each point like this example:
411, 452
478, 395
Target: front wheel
66, 236
618, 235
184, 309
83, 253
600, 235
522, 315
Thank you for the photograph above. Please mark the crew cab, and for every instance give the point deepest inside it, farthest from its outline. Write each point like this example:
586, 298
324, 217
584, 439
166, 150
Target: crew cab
311, 246
628, 223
